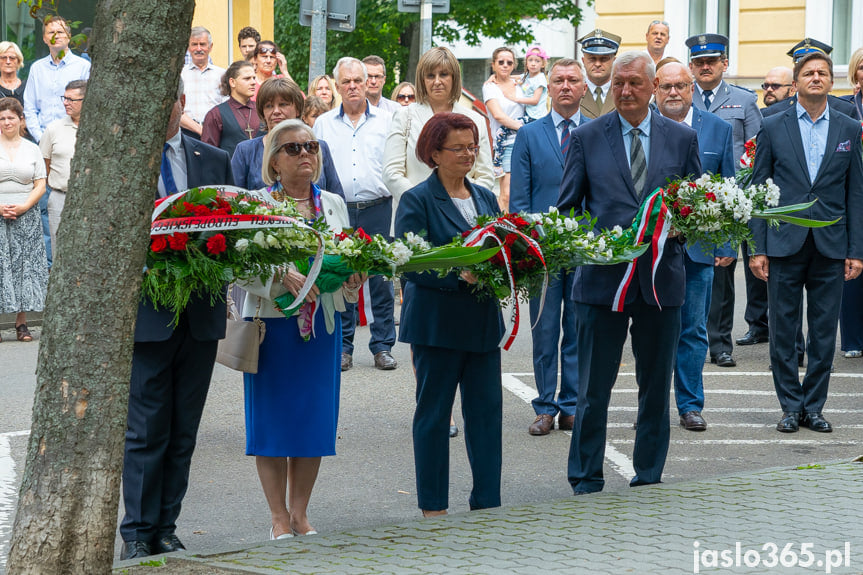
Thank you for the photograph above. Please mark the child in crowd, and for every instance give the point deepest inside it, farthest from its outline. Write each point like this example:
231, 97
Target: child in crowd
532, 91
314, 107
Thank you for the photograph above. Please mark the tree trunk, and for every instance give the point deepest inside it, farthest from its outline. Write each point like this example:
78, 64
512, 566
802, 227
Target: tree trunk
67, 508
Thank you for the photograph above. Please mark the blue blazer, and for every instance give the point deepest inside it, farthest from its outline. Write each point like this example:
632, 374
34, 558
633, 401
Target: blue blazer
597, 179
444, 312
838, 187
537, 166
205, 165
716, 151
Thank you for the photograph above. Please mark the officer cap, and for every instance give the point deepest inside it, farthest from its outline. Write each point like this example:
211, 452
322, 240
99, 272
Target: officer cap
807, 46
600, 43
706, 45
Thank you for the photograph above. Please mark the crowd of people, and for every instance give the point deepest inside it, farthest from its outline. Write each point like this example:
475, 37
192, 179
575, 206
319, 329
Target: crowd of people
594, 136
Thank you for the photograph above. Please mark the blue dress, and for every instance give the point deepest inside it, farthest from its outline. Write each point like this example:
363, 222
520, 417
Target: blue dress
292, 403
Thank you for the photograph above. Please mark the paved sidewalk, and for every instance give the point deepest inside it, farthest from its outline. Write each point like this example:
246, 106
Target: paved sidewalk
811, 515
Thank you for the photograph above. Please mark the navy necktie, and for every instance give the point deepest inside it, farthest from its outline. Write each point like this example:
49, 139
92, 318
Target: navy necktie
167, 173
707, 101
565, 136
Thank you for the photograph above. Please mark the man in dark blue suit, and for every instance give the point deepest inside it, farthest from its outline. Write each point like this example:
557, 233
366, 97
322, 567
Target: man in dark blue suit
812, 152
613, 163
537, 169
674, 89
171, 370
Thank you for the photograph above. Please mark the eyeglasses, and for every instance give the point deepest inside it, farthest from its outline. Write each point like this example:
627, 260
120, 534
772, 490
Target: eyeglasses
294, 148
267, 50
504, 62
463, 150
377, 77
406, 97
9, 58
70, 100
680, 86
774, 87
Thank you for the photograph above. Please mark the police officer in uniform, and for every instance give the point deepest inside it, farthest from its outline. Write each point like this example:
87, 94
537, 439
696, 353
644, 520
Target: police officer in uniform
708, 61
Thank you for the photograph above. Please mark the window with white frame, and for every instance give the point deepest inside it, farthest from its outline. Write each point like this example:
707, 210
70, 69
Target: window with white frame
704, 16
838, 23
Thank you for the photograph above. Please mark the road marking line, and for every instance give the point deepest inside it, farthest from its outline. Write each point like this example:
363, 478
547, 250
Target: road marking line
729, 425
616, 460
776, 409
820, 443
707, 374
8, 492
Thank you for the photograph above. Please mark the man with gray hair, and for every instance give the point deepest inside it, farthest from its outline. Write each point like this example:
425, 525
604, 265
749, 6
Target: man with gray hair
356, 132
612, 164
202, 79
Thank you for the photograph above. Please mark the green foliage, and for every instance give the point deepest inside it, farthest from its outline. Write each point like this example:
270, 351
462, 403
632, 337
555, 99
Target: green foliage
382, 30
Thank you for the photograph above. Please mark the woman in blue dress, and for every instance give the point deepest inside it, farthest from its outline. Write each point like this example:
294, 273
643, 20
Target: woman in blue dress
292, 403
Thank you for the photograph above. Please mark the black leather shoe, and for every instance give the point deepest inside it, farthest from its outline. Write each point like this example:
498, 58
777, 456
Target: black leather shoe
751, 339
692, 421
384, 360
789, 423
347, 361
724, 359
135, 550
169, 544
816, 422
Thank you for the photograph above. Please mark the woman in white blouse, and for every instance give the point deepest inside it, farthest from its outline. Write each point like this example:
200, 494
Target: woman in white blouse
438, 88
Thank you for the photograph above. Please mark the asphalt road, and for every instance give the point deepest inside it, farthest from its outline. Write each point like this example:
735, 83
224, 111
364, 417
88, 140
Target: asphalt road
371, 480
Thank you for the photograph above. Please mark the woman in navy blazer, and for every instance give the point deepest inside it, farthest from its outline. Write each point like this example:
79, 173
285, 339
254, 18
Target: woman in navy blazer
454, 334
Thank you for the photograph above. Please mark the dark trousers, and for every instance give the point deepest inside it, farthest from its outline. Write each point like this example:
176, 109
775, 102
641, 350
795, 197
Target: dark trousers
757, 305
547, 345
851, 315
601, 335
168, 389
756, 298
477, 375
823, 279
720, 320
374, 220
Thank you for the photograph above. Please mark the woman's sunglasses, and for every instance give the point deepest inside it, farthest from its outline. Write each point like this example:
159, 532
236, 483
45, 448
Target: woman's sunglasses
294, 148
406, 97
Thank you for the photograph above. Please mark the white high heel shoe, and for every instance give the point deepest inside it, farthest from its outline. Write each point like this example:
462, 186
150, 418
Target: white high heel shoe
282, 536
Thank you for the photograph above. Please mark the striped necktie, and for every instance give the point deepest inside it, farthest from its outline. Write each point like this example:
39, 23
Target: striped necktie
637, 162
565, 136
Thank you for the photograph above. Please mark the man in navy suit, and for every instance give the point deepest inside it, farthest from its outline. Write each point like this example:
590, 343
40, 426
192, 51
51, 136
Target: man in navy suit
674, 89
171, 370
812, 152
537, 169
612, 164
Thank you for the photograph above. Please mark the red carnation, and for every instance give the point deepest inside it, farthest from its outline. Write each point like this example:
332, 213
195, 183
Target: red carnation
159, 244
360, 233
200, 210
710, 196
342, 236
178, 241
685, 211
216, 244
693, 185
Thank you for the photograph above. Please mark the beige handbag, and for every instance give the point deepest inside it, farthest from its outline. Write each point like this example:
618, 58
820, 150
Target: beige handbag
239, 350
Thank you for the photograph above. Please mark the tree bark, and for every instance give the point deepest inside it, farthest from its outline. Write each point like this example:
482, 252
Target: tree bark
67, 508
